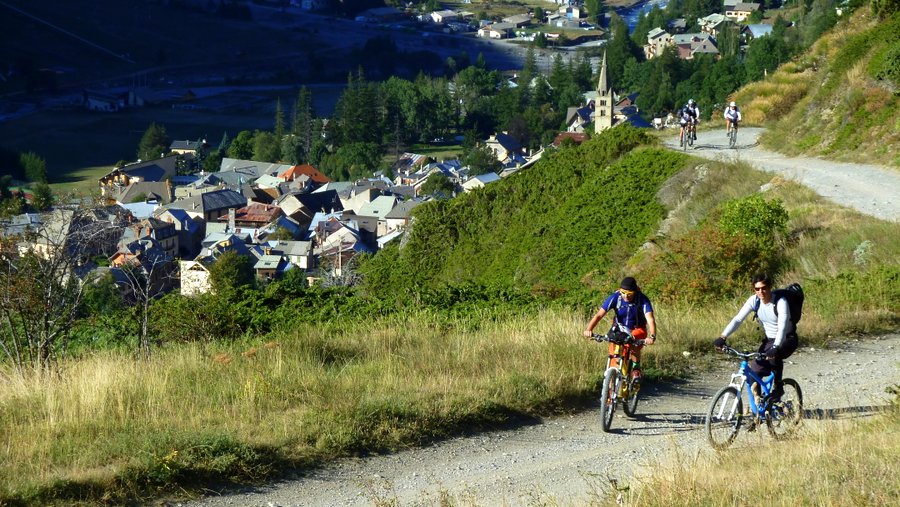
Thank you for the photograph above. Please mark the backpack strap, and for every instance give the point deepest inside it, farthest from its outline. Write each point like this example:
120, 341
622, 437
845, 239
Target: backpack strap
775, 297
614, 308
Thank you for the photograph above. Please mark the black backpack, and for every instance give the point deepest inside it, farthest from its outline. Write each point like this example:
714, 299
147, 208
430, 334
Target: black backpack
794, 295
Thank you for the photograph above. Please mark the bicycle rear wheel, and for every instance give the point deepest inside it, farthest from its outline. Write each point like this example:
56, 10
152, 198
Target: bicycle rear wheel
724, 416
608, 398
784, 417
631, 402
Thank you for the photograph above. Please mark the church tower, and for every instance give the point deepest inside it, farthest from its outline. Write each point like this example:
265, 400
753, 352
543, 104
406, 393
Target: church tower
603, 104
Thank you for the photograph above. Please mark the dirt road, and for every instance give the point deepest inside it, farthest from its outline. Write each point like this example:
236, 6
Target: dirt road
870, 189
569, 459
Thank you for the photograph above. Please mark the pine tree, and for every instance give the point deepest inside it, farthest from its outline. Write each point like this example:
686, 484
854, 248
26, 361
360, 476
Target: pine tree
154, 142
279, 120
223, 144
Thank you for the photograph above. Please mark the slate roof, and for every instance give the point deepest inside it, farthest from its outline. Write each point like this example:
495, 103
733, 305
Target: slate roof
759, 30
656, 32
269, 262
291, 248
337, 186
154, 190
185, 145
317, 201
269, 181
402, 209
379, 207
508, 142
251, 167
211, 201
19, 224
151, 170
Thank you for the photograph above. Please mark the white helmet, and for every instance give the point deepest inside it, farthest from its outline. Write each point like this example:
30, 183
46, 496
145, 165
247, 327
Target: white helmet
690, 102
733, 104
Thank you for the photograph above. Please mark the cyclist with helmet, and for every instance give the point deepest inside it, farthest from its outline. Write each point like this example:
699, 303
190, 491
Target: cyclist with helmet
632, 313
690, 115
732, 116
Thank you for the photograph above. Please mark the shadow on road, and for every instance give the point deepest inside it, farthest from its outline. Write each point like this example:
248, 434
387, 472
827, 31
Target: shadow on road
835, 414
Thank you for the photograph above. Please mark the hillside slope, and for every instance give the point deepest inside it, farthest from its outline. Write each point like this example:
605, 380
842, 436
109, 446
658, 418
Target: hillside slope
543, 229
840, 99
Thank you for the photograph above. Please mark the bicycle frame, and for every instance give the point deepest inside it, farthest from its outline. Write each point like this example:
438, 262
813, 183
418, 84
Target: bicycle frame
739, 380
619, 359
726, 410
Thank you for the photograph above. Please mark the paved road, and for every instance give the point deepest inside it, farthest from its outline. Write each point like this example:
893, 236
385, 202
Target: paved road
870, 189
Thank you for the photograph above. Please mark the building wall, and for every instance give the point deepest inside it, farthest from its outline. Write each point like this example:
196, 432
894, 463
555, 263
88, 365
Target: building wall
194, 281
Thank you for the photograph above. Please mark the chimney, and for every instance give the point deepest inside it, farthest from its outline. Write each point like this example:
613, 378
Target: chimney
231, 219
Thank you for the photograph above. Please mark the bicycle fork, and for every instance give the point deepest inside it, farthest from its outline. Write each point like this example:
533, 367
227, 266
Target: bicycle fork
731, 406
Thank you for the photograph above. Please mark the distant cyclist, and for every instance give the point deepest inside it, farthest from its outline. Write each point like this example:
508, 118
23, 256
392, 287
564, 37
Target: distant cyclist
732, 116
690, 115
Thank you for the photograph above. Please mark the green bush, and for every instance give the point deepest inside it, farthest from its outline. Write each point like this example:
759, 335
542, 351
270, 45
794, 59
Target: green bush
755, 217
708, 264
887, 64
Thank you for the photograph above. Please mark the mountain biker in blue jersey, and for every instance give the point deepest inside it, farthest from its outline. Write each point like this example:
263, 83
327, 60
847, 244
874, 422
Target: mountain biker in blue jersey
632, 313
779, 333
690, 113
732, 116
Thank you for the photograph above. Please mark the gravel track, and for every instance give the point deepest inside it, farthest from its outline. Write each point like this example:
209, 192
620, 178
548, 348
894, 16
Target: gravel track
870, 189
568, 460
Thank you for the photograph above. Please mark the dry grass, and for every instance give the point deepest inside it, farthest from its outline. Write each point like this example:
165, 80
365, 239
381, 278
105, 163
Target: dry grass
767, 101
813, 106
846, 463
314, 394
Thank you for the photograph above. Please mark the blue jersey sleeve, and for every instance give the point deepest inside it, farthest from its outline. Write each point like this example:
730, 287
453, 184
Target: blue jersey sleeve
646, 307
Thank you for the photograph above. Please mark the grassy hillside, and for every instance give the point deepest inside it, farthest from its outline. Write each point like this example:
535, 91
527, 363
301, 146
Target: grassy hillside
840, 100
544, 229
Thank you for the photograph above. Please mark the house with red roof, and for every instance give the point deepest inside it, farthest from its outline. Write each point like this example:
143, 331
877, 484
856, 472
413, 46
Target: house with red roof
305, 170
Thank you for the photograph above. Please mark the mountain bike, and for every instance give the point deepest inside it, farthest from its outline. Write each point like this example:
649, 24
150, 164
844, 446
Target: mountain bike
732, 135
726, 411
618, 383
688, 133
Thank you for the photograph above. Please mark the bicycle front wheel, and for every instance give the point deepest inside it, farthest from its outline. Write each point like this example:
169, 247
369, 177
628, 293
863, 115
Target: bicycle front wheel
723, 418
784, 417
732, 138
608, 398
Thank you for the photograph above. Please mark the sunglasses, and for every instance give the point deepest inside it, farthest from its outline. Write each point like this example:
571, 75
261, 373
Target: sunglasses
625, 292
758, 289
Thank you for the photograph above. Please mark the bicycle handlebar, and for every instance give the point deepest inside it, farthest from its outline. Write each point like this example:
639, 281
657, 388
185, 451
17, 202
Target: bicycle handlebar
743, 355
628, 341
